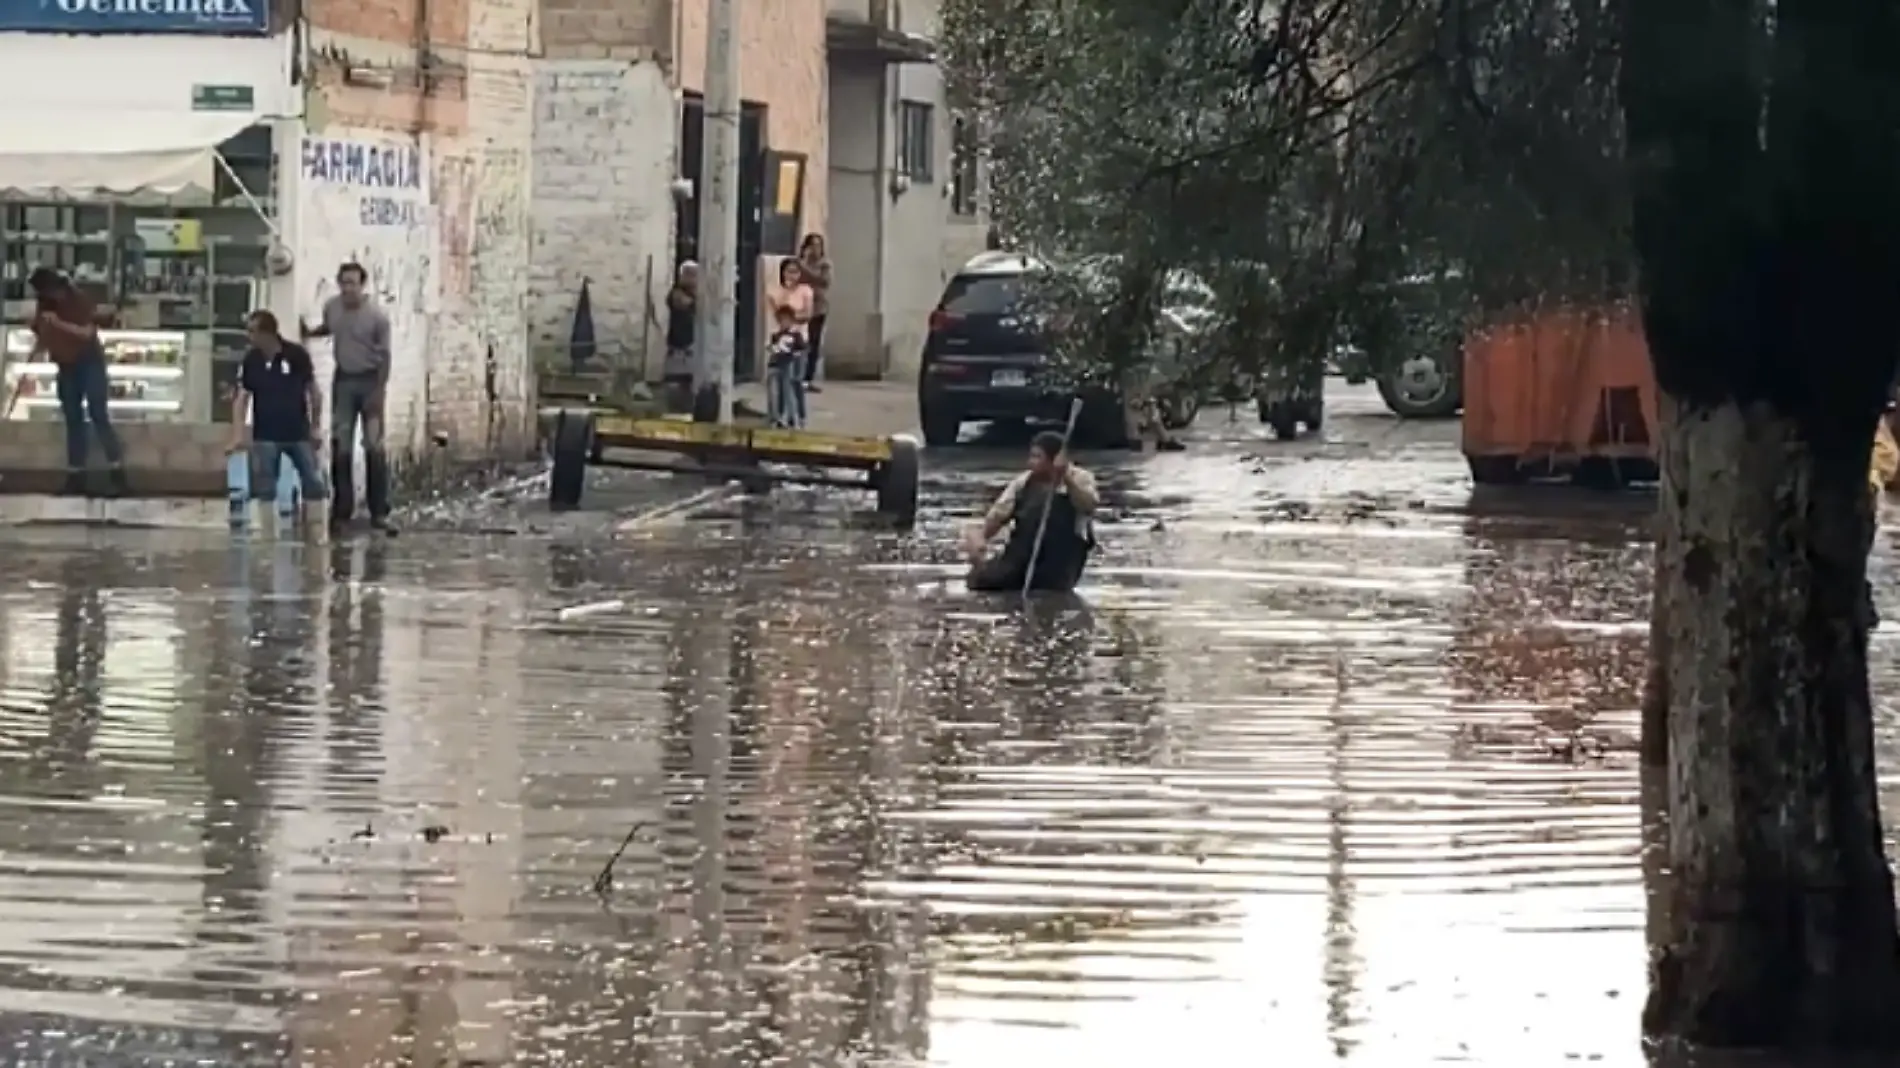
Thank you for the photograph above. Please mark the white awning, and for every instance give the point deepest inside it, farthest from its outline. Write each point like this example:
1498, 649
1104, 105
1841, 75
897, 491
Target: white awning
83, 154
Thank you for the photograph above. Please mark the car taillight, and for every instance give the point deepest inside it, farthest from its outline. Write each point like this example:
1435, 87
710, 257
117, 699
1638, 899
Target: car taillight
941, 320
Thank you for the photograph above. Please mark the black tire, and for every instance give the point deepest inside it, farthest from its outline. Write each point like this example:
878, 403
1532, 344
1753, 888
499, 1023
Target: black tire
897, 481
1495, 470
573, 444
1441, 405
942, 427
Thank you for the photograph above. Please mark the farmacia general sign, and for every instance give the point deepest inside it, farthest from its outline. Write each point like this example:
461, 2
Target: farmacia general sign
230, 17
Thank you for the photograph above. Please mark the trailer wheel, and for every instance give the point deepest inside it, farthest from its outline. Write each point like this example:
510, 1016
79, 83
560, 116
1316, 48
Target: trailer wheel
897, 482
573, 445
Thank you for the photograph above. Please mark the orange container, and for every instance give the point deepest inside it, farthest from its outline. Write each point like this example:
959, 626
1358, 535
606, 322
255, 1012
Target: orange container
1562, 393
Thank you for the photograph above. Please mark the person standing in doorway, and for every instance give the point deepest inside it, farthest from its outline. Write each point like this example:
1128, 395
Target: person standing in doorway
682, 308
359, 334
278, 388
65, 330
816, 266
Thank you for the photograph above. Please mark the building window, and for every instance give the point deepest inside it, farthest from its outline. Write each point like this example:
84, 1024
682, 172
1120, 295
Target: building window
916, 148
965, 157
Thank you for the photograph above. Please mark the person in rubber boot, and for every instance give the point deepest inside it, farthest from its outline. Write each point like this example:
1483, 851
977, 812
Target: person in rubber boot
1067, 492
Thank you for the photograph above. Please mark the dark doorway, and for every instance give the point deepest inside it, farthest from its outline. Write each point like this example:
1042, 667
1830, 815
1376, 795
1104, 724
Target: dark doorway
752, 142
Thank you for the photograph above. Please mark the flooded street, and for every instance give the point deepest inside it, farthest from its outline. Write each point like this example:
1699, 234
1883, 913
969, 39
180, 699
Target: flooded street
1324, 760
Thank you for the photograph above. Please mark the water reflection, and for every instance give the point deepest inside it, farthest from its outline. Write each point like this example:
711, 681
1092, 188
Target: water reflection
1307, 791
1551, 645
62, 760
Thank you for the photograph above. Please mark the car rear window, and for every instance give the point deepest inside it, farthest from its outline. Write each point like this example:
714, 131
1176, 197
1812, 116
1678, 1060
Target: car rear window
982, 294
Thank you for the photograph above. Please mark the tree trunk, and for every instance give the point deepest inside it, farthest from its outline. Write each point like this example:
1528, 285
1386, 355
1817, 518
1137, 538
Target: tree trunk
1780, 910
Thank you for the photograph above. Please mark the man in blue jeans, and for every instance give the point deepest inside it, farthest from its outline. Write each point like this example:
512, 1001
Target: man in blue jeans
277, 387
360, 337
65, 331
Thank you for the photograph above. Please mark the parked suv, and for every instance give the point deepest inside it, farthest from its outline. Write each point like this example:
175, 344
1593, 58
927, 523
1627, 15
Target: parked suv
984, 358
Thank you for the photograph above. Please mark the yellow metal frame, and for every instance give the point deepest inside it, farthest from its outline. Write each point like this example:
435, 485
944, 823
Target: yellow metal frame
665, 433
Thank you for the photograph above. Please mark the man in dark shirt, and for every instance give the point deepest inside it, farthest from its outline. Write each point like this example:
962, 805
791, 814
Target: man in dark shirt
65, 332
277, 387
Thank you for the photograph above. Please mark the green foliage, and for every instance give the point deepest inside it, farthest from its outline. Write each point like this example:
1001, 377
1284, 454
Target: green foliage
1301, 157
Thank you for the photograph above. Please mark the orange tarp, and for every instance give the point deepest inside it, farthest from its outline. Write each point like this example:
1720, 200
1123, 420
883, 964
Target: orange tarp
1561, 385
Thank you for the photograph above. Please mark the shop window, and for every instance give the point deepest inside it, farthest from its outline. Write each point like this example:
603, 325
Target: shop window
70, 238
188, 268
916, 141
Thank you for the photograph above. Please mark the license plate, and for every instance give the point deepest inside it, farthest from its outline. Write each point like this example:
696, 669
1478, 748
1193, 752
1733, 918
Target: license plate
1010, 378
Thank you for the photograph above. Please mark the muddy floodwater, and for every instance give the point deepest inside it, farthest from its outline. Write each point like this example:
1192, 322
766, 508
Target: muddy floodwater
1325, 765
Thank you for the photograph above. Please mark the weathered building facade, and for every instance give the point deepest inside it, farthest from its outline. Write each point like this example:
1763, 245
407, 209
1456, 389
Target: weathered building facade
617, 156
436, 96
606, 127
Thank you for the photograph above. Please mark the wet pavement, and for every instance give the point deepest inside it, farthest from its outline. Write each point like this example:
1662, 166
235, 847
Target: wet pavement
1326, 764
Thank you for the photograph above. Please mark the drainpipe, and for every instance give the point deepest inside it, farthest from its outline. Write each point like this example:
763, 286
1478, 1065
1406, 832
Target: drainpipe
673, 59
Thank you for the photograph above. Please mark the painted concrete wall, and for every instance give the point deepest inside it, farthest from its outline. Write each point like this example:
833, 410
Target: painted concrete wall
448, 250
857, 176
36, 70
888, 248
892, 250
605, 138
914, 239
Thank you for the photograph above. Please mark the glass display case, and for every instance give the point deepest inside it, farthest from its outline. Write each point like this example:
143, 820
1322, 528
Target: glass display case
191, 263
145, 371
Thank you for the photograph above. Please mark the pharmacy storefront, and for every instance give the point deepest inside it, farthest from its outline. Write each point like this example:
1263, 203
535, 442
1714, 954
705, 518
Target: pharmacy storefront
137, 151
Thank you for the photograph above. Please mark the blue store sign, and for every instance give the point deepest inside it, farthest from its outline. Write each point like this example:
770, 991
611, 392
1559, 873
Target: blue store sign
226, 17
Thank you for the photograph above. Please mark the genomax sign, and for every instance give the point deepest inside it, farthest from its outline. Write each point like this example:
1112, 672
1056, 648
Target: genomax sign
229, 17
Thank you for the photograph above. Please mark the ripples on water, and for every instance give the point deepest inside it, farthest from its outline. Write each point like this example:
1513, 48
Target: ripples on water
1349, 784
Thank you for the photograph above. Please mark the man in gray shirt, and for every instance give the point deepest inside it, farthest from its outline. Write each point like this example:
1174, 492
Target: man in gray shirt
359, 335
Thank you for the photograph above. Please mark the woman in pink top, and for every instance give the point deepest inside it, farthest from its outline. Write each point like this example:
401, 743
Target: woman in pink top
795, 294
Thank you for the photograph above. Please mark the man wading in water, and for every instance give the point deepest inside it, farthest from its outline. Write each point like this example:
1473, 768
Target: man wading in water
64, 330
1052, 483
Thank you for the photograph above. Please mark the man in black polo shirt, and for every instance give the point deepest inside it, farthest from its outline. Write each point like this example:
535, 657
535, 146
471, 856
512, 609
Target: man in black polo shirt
278, 388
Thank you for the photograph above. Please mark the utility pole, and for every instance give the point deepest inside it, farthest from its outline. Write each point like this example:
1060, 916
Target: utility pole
718, 218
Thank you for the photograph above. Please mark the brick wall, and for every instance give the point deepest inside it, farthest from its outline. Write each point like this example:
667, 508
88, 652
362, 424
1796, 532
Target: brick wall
605, 135
609, 29
469, 107
604, 147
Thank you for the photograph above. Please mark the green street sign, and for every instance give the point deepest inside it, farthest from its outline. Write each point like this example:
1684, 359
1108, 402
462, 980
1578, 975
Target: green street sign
223, 98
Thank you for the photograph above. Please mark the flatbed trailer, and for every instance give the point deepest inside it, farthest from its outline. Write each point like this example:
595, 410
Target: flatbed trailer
890, 467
